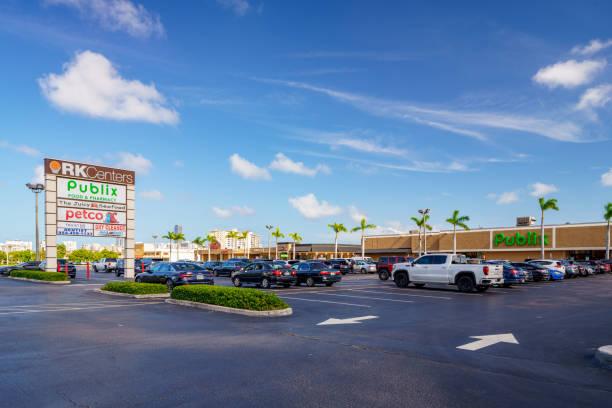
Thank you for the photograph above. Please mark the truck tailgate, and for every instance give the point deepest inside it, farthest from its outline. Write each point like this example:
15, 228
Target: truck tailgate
495, 271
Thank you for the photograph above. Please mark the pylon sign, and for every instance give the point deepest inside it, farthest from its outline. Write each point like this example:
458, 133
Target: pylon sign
88, 200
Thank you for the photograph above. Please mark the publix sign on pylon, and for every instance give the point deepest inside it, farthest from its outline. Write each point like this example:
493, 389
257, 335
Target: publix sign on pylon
531, 238
76, 189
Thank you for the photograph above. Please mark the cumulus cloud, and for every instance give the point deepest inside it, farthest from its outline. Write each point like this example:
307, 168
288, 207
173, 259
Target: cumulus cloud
391, 227
311, 208
39, 175
606, 178
596, 97
90, 85
246, 169
135, 162
356, 214
286, 165
117, 15
569, 74
235, 210
30, 151
151, 195
540, 189
504, 198
238, 7
592, 48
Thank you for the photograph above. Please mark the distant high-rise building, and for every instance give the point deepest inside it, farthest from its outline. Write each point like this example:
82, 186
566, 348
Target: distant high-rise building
253, 240
70, 246
178, 229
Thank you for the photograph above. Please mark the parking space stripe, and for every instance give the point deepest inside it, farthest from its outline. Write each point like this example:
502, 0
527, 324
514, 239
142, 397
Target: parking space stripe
325, 301
70, 308
367, 297
399, 294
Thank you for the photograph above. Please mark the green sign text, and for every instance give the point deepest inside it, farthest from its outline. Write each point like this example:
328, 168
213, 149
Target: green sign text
532, 238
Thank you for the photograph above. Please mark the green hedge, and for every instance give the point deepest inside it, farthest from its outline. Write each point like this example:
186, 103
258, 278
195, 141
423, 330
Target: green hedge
135, 288
250, 299
40, 275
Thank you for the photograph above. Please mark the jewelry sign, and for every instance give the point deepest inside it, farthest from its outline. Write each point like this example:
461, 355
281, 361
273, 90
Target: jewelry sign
88, 200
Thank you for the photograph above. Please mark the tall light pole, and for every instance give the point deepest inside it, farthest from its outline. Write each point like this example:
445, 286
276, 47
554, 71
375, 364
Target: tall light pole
36, 189
424, 213
269, 227
154, 246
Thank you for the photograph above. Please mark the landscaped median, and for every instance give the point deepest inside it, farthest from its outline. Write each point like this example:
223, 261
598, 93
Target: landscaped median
135, 290
248, 302
54, 278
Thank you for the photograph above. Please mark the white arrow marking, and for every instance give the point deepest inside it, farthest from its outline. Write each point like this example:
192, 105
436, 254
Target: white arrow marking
352, 320
486, 341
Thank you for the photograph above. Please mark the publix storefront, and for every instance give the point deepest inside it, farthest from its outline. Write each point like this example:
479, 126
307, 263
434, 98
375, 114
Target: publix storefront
577, 241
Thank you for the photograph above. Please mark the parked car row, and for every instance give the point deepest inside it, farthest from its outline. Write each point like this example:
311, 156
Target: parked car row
476, 274
62, 266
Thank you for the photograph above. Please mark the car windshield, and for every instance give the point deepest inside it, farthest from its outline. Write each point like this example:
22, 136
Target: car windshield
187, 267
227, 264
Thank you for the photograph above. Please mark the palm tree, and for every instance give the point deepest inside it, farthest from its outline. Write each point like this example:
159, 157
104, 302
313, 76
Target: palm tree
170, 236
178, 238
363, 226
421, 223
233, 235
456, 221
607, 217
211, 239
199, 243
245, 235
277, 234
545, 205
296, 240
337, 228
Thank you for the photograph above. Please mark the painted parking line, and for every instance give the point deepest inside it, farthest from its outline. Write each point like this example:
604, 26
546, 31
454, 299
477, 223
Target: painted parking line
324, 301
367, 297
400, 294
60, 309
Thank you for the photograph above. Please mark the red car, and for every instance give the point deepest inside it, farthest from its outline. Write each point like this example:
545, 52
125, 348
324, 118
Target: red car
385, 265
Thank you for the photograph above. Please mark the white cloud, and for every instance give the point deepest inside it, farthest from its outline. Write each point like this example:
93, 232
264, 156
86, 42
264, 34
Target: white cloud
117, 15
504, 198
311, 208
151, 195
135, 162
286, 165
30, 151
540, 189
235, 210
219, 212
39, 175
569, 74
606, 178
178, 163
90, 85
239, 7
246, 169
596, 97
391, 227
356, 214
592, 48
452, 121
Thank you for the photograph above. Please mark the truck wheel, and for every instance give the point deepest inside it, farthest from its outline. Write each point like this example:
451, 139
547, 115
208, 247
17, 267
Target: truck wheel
383, 275
465, 284
237, 282
401, 279
481, 288
419, 285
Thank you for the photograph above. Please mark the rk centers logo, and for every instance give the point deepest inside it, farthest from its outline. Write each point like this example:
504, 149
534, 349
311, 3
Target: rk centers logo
532, 238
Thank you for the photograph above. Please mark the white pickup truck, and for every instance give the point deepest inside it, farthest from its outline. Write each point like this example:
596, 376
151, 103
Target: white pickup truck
447, 269
105, 265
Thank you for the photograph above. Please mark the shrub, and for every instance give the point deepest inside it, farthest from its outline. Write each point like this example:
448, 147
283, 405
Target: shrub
40, 275
135, 288
250, 299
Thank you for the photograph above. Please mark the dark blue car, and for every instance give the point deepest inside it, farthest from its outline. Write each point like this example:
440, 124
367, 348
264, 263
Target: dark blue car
174, 274
512, 274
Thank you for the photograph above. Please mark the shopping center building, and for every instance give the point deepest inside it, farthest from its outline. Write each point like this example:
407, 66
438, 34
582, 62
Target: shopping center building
566, 241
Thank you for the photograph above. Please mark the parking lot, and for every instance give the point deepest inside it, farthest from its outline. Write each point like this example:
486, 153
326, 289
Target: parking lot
69, 346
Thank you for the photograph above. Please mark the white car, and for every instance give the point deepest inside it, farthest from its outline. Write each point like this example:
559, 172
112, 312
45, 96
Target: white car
447, 269
550, 264
364, 267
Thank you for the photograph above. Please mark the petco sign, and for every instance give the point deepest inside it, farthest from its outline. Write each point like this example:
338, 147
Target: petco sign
90, 216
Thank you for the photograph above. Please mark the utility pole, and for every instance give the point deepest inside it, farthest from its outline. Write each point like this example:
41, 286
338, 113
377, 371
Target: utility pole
154, 246
424, 213
36, 189
269, 227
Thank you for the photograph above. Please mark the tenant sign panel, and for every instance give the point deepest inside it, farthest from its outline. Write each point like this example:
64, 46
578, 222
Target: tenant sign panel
90, 191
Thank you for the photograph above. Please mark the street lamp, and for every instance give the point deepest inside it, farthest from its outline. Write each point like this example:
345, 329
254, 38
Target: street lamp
154, 246
36, 189
424, 213
269, 227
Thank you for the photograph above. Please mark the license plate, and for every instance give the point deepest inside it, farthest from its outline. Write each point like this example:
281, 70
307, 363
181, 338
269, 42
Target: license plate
287, 273
200, 277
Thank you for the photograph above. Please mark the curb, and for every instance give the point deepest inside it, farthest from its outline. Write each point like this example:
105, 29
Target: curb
40, 281
225, 309
147, 296
603, 355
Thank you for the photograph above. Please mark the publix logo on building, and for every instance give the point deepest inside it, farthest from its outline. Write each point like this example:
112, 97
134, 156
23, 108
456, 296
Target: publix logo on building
532, 238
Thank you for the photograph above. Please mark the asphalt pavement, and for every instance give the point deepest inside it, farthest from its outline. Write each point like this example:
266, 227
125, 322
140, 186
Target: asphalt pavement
67, 346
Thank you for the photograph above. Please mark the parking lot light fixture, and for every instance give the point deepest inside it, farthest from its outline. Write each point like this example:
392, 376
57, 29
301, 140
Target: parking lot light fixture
36, 189
154, 246
269, 227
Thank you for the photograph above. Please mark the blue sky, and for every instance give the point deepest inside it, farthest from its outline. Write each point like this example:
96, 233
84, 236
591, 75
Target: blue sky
239, 113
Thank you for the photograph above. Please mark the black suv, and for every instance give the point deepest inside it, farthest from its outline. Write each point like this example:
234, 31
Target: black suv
228, 268
340, 264
265, 274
